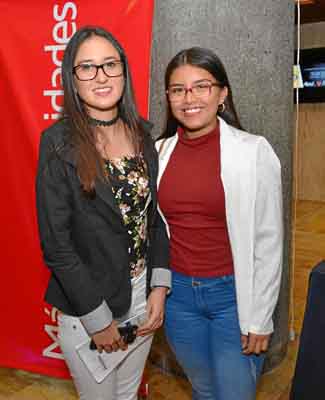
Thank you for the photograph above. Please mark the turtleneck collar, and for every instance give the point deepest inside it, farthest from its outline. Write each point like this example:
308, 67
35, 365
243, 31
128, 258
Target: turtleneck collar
198, 140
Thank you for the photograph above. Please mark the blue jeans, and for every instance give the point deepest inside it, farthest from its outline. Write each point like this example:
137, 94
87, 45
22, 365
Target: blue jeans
202, 329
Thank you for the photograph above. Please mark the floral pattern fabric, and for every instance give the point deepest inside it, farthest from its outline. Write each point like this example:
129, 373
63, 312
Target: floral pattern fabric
130, 186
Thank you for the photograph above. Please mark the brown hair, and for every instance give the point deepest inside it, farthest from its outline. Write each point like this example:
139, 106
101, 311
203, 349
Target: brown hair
90, 164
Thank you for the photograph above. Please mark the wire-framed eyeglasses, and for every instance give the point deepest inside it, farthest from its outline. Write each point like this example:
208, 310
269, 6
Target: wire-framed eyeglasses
87, 71
200, 89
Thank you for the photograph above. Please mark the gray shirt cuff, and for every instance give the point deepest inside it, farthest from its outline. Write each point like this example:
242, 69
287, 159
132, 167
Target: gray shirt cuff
161, 277
98, 319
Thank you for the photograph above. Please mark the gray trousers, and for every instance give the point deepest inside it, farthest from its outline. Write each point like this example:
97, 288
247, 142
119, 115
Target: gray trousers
123, 382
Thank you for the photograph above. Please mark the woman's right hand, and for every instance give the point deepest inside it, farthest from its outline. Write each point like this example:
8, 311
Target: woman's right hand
109, 339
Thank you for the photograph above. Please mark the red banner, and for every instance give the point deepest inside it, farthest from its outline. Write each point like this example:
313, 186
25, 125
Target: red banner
33, 37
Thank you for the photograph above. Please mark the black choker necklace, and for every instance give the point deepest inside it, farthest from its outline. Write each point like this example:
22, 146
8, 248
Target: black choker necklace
101, 122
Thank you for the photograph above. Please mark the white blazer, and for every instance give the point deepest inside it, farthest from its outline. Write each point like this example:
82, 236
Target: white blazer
251, 177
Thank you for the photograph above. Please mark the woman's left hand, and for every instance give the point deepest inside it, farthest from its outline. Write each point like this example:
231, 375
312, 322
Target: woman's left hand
155, 311
254, 343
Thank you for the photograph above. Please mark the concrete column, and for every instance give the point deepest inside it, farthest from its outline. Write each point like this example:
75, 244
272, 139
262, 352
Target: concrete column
255, 40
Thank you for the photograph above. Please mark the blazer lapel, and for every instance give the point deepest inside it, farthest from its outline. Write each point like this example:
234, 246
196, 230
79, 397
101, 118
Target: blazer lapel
152, 174
103, 189
164, 155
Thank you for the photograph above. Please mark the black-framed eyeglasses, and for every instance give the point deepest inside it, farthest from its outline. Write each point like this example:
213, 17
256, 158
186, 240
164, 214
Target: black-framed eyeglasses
87, 72
199, 89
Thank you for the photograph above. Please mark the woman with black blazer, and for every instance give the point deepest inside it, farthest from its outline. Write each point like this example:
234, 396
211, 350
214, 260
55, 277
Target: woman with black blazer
101, 235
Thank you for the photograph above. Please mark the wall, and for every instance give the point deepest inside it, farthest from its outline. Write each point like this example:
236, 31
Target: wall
311, 152
255, 40
311, 138
309, 229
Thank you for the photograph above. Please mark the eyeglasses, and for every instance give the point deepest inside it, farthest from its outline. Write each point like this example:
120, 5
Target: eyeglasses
87, 72
201, 89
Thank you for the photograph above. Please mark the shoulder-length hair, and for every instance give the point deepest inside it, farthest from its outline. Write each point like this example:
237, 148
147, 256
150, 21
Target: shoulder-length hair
90, 164
209, 61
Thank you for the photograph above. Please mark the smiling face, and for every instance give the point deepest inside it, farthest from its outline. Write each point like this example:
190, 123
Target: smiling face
101, 94
196, 113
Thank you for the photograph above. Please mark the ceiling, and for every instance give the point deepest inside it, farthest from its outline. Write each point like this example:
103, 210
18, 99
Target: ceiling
314, 12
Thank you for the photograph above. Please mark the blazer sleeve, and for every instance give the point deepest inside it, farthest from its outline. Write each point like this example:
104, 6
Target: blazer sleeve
54, 210
161, 274
268, 239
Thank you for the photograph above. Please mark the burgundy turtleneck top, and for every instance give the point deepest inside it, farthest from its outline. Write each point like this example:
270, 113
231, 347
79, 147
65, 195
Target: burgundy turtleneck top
192, 199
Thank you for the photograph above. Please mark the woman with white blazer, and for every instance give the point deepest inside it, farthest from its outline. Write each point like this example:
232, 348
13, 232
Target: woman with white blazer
219, 192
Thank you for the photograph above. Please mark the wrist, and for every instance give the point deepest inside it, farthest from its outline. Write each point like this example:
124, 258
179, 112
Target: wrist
163, 289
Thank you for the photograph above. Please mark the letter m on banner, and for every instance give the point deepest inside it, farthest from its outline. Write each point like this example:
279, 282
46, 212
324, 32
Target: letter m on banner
34, 35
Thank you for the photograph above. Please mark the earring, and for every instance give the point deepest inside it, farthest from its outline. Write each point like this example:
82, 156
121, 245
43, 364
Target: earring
221, 108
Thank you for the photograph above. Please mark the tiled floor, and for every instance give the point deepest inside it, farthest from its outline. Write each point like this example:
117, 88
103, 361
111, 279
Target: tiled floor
310, 248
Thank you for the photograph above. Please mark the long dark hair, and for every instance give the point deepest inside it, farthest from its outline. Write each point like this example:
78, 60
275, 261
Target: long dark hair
207, 60
81, 136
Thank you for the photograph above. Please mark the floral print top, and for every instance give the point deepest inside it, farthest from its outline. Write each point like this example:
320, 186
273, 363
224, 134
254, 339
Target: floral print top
130, 186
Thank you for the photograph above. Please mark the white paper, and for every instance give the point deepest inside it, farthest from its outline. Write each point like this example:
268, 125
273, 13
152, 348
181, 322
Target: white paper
101, 364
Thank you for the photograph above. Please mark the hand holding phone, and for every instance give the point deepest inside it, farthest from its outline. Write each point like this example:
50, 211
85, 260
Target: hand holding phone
128, 333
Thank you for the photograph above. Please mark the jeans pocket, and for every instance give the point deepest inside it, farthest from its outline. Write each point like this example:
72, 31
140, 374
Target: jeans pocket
69, 325
221, 283
229, 279
220, 295
180, 284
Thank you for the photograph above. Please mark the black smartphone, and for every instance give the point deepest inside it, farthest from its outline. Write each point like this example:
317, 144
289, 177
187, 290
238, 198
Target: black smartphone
128, 333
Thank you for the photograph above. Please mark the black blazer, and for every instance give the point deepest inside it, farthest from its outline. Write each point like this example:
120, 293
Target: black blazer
83, 239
